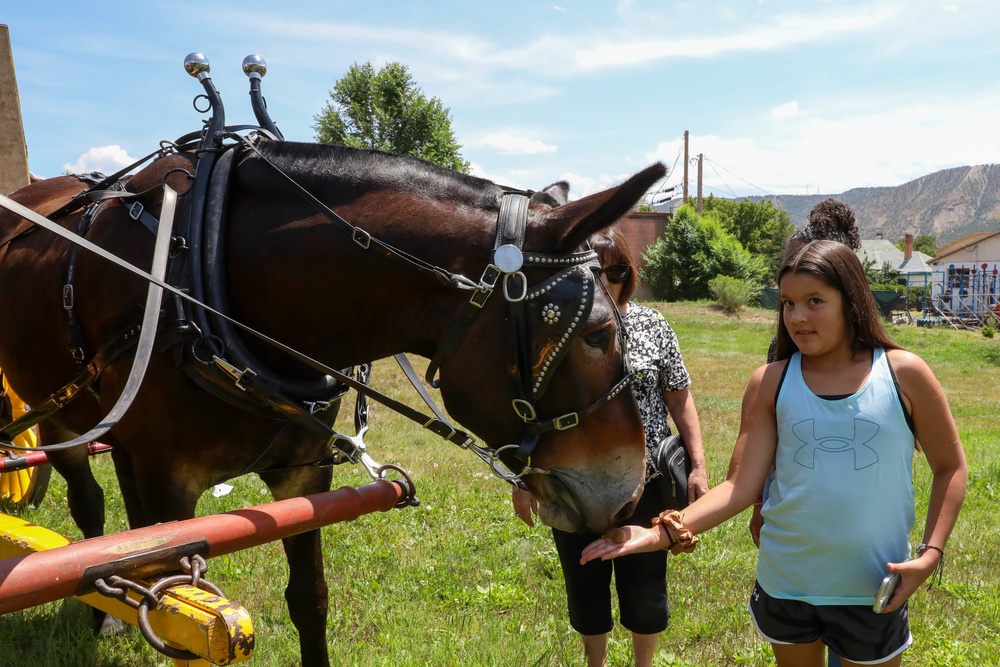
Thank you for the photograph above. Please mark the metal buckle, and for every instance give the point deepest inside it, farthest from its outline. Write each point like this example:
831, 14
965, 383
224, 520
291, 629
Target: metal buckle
440, 428
524, 409
480, 297
68, 297
506, 288
135, 210
567, 421
361, 237
490, 276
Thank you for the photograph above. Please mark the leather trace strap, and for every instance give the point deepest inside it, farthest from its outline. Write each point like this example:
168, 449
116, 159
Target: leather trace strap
437, 426
144, 341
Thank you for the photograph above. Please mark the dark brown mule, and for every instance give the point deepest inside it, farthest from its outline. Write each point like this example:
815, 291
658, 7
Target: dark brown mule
292, 275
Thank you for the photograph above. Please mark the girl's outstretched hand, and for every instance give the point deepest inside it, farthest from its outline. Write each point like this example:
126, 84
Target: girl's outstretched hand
622, 541
667, 532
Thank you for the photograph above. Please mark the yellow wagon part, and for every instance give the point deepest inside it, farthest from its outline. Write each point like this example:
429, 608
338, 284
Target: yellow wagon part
212, 627
27, 486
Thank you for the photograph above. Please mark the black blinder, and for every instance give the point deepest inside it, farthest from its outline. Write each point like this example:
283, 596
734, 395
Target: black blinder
555, 311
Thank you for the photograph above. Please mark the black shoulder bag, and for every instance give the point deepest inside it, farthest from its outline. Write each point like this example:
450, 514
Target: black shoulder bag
673, 466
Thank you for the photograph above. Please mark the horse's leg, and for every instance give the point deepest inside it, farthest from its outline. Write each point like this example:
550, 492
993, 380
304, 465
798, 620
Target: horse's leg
306, 594
84, 495
126, 482
86, 502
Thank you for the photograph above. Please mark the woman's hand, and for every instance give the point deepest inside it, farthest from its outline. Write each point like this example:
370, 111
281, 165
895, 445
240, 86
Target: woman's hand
524, 504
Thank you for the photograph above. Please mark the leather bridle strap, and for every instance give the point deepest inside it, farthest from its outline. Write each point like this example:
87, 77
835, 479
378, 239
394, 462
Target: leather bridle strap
512, 221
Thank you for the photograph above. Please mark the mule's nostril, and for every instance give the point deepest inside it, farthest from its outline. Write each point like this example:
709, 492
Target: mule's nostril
625, 512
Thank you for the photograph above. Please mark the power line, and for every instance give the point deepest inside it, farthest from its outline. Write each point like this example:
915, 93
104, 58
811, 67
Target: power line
670, 173
769, 194
712, 165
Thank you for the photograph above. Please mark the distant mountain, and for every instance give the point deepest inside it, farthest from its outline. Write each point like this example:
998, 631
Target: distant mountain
947, 205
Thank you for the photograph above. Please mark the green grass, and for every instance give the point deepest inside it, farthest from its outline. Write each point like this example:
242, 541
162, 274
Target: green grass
459, 580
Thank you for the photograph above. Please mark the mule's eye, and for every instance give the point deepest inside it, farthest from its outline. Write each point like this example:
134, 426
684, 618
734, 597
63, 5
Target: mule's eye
599, 339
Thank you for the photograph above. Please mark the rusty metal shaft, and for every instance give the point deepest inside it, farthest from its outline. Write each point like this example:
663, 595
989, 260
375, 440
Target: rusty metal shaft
47, 576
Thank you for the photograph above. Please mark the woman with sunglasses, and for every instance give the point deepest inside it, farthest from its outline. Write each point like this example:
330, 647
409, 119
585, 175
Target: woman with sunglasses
661, 386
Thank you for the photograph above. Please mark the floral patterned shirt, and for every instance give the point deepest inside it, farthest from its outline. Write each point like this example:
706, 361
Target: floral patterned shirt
655, 357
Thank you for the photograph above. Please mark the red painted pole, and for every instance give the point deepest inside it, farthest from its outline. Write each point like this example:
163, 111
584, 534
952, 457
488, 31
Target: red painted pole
47, 576
28, 459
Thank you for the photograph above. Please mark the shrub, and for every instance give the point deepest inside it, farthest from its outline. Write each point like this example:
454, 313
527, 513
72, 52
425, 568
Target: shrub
988, 331
732, 294
680, 264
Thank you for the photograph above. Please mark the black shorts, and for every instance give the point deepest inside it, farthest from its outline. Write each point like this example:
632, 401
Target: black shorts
640, 579
854, 632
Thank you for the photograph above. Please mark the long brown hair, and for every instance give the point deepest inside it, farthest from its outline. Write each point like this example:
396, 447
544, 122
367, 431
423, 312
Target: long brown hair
836, 265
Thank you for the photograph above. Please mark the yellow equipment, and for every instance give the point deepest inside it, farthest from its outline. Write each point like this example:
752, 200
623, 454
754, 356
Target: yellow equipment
27, 486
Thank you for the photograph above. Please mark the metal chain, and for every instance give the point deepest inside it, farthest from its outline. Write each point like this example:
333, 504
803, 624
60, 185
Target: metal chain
117, 587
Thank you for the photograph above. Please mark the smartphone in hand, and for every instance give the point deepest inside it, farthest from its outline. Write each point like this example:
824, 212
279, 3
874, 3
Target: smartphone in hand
885, 592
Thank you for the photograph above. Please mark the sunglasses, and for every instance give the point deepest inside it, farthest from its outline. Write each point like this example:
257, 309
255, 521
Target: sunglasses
618, 273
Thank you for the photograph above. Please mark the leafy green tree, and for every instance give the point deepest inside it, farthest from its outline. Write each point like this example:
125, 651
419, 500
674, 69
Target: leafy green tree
761, 228
922, 243
386, 111
881, 276
696, 249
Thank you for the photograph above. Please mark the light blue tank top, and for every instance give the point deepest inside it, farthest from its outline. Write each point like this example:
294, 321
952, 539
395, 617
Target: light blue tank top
841, 504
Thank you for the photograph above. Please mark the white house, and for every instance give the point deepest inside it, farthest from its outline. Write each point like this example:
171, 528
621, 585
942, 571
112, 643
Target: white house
966, 276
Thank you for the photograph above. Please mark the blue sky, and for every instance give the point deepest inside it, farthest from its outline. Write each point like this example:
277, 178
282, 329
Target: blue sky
780, 96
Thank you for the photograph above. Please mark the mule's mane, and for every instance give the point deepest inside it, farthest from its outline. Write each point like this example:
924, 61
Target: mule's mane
364, 170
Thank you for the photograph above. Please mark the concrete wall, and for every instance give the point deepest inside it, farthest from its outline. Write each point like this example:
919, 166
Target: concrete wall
13, 151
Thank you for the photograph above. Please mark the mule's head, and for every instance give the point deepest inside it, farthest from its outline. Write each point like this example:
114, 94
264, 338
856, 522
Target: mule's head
553, 359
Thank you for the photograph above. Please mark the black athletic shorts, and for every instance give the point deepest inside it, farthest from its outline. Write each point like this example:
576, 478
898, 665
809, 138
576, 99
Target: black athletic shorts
640, 579
853, 631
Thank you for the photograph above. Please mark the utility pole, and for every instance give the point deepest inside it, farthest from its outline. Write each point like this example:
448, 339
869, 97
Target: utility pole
685, 199
700, 156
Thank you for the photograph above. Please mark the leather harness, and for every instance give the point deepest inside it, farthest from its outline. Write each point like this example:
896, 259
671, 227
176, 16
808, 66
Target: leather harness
542, 320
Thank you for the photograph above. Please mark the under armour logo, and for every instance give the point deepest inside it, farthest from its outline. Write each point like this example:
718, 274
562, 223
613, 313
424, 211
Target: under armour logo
864, 455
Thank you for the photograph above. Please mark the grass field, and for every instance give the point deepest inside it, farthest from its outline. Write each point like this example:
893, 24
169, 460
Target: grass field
459, 580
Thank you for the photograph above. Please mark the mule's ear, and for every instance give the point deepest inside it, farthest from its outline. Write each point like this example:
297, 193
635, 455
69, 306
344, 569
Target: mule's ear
554, 195
573, 223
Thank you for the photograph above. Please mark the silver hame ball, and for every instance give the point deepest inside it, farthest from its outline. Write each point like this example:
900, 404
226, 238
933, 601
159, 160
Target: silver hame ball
196, 63
254, 64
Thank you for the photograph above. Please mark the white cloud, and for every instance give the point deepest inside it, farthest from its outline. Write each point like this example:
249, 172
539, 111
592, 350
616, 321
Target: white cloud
105, 159
561, 53
787, 110
884, 146
505, 143
476, 169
